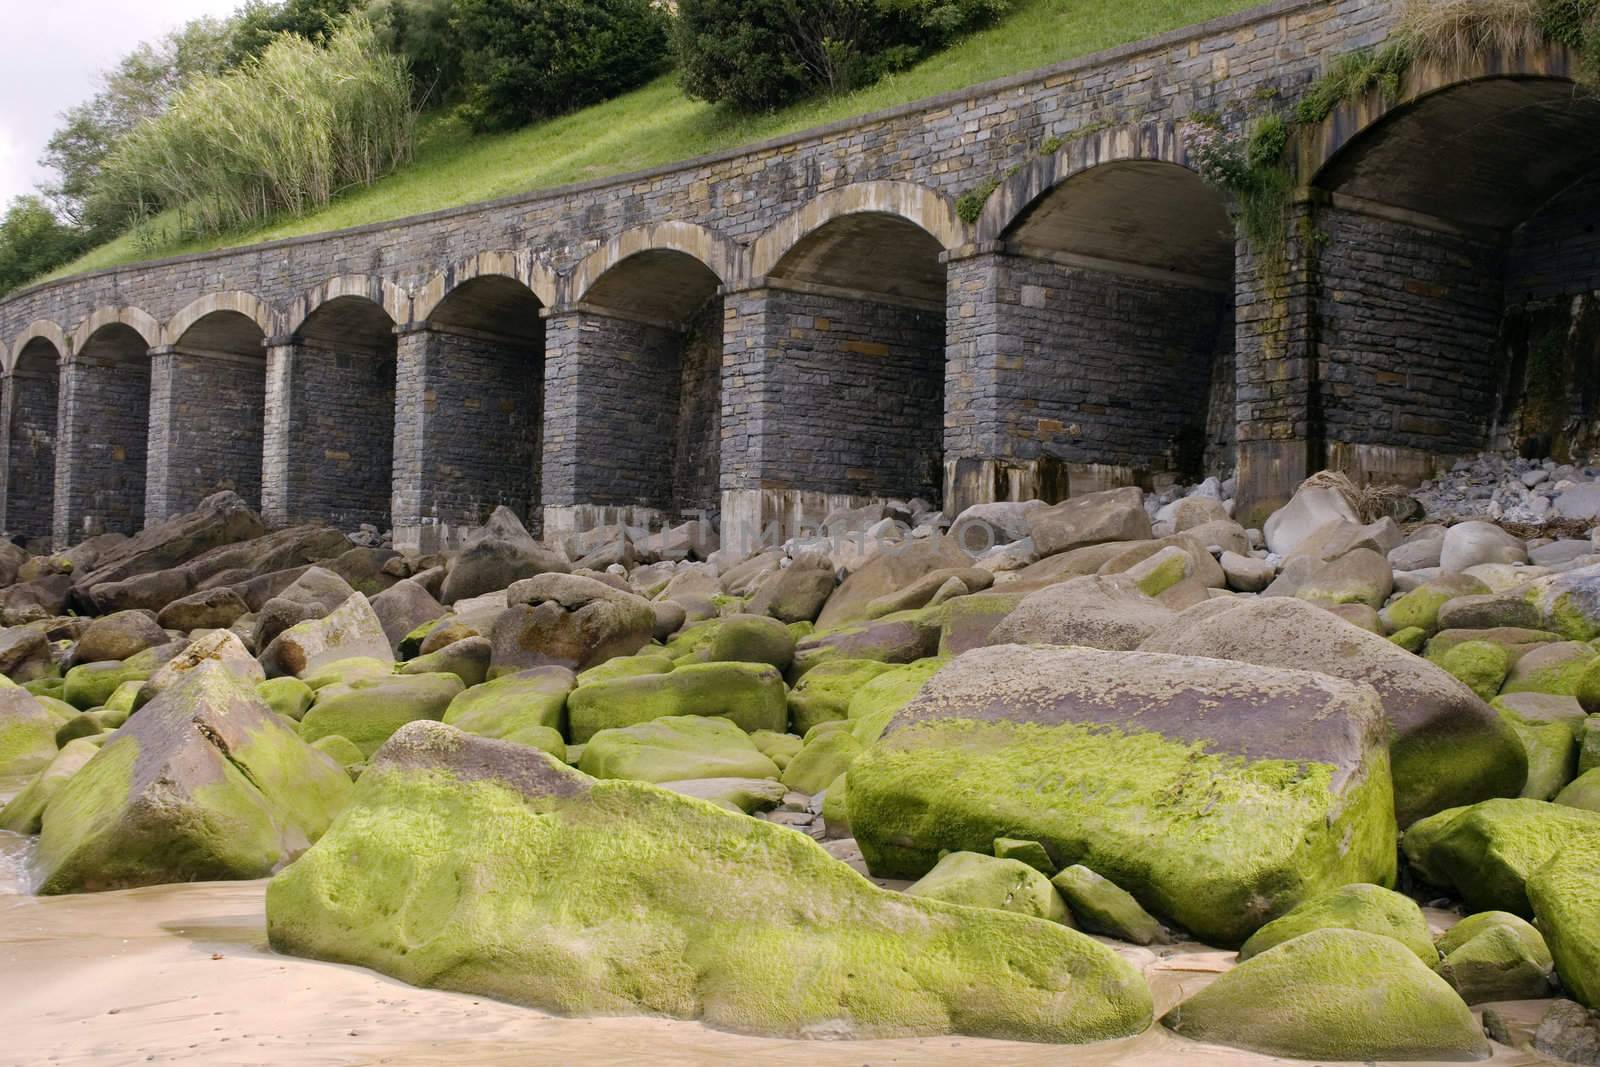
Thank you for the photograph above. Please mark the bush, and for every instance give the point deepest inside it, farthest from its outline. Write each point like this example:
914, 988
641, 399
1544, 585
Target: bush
756, 54
529, 59
33, 241
420, 31
260, 22
285, 133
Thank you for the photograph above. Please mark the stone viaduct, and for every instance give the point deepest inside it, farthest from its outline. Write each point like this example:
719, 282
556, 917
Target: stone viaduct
811, 322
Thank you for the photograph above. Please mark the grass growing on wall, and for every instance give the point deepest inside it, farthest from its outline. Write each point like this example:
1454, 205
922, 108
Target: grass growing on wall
658, 124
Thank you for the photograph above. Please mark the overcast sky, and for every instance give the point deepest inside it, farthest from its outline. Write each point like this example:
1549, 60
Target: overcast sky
58, 49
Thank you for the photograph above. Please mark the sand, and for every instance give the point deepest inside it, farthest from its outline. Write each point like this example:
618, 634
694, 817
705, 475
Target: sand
182, 974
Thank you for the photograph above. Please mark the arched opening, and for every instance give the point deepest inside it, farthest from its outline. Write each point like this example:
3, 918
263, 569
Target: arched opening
1115, 303
31, 477
1458, 279
470, 401
652, 360
855, 316
210, 398
341, 415
108, 423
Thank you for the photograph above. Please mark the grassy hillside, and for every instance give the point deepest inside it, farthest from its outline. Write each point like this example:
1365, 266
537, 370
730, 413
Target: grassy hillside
658, 124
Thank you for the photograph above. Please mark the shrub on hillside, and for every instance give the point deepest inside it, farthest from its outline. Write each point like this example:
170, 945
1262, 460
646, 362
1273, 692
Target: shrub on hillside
420, 31
281, 135
33, 241
528, 59
756, 54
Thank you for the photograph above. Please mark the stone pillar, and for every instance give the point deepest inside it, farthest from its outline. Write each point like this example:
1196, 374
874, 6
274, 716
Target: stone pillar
160, 459
611, 387
466, 435
100, 451
206, 413
1276, 393
276, 432
8, 405
831, 399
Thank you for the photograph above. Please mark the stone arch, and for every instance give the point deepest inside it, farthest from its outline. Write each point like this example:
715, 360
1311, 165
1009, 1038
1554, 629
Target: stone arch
137, 320
39, 330
393, 300
707, 247
1456, 292
519, 266
252, 307
1157, 142
917, 204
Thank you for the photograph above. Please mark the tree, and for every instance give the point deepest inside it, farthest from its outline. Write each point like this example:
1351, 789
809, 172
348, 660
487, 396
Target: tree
420, 30
260, 21
33, 241
527, 59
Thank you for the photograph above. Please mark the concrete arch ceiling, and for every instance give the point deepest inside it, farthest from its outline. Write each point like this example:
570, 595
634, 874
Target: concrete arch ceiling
353, 322
492, 303
334, 300
659, 284
40, 332
506, 265
1484, 153
232, 321
675, 258
116, 333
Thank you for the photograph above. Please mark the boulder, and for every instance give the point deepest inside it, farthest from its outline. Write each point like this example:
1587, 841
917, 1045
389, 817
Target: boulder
25, 653
513, 702
119, 636
1556, 669
566, 620
1582, 792
665, 750
1308, 510
312, 595
1495, 955
742, 638
889, 571
1481, 666
1101, 756
467, 659
24, 814
368, 711
1468, 544
901, 638
27, 733
563, 890
983, 526
498, 554
1246, 574
1108, 612
1487, 852
204, 783
922, 592
349, 631
824, 694
967, 622
1091, 519
1371, 908
1565, 894
209, 609
1552, 756
1487, 611
826, 756
1449, 748
1312, 998
289, 697
220, 647
978, 881
402, 608
746, 795
1568, 1033
1569, 603
750, 695
1361, 576
32, 601
1100, 906
221, 519
796, 593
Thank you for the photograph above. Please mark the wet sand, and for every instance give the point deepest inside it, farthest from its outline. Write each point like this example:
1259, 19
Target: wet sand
182, 974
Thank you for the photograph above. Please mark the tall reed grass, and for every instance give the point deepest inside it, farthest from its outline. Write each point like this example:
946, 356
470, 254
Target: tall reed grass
282, 135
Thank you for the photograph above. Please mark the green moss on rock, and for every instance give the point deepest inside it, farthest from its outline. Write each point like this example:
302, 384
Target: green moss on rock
751, 695
824, 758
368, 712
978, 881
1565, 893
1487, 852
878, 701
824, 694
674, 749
1481, 665
1103, 907
1371, 908
1495, 955
27, 733
514, 703
25, 812
288, 696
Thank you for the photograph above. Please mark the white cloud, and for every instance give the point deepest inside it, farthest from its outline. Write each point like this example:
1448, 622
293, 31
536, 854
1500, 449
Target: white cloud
58, 48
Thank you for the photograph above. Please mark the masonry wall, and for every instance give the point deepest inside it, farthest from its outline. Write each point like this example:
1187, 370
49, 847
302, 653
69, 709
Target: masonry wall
31, 484
833, 394
107, 409
1409, 322
205, 430
341, 436
697, 443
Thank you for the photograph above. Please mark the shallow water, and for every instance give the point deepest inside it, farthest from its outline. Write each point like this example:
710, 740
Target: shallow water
182, 974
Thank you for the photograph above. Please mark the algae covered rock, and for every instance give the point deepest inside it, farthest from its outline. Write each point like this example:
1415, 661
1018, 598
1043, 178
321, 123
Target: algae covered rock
1565, 893
751, 695
25, 812
1334, 995
289, 697
1030, 852
27, 733
513, 702
349, 631
824, 694
1103, 907
1371, 908
1582, 792
878, 701
204, 783
1495, 955
1219, 794
672, 749
477, 866
1487, 852
1481, 665
1448, 747
823, 759
369, 711
980, 881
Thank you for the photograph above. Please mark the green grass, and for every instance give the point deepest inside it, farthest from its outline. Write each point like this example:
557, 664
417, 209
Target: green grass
658, 124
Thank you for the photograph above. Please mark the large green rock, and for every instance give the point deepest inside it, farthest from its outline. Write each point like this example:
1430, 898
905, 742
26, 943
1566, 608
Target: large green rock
1480, 665
823, 759
626, 667
1448, 747
27, 733
369, 711
672, 749
1552, 755
1103, 907
1353, 907
1219, 794
473, 865
750, 639
1565, 893
901, 638
1583, 792
1334, 995
204, 783
1420, 607
877, 702
513, 702
980, 881
288, 696
25, 812
1495, 955
1555, 668
90, 685
824, 694
751, 695
1487, 852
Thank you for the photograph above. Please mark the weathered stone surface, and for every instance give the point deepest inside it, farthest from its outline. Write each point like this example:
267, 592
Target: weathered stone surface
119, 636
1468, 544
499, 554
368, 711
221, 647
350, 631
889, 571
203, 783
1495, 955
755, 904
750, 695
979, 881
209, 609
1102, 907
314, 593
1569, 1033
1095, 611
796, 593
27, 733
1094, 754
403, 607
1109, 515
25, 653
1307, 511
467, 659
566, 620
1449, 748
1370, 908
1312, 998
1487, 852
673, 748
1565, 894
512, 702
221, 519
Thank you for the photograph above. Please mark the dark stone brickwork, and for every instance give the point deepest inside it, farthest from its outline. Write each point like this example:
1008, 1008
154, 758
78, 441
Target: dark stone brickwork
205, 430
1409, 321
100, 464
341, 436
35, 395
1556, 253
1086, 366
468, 423
697, 444
832, 394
